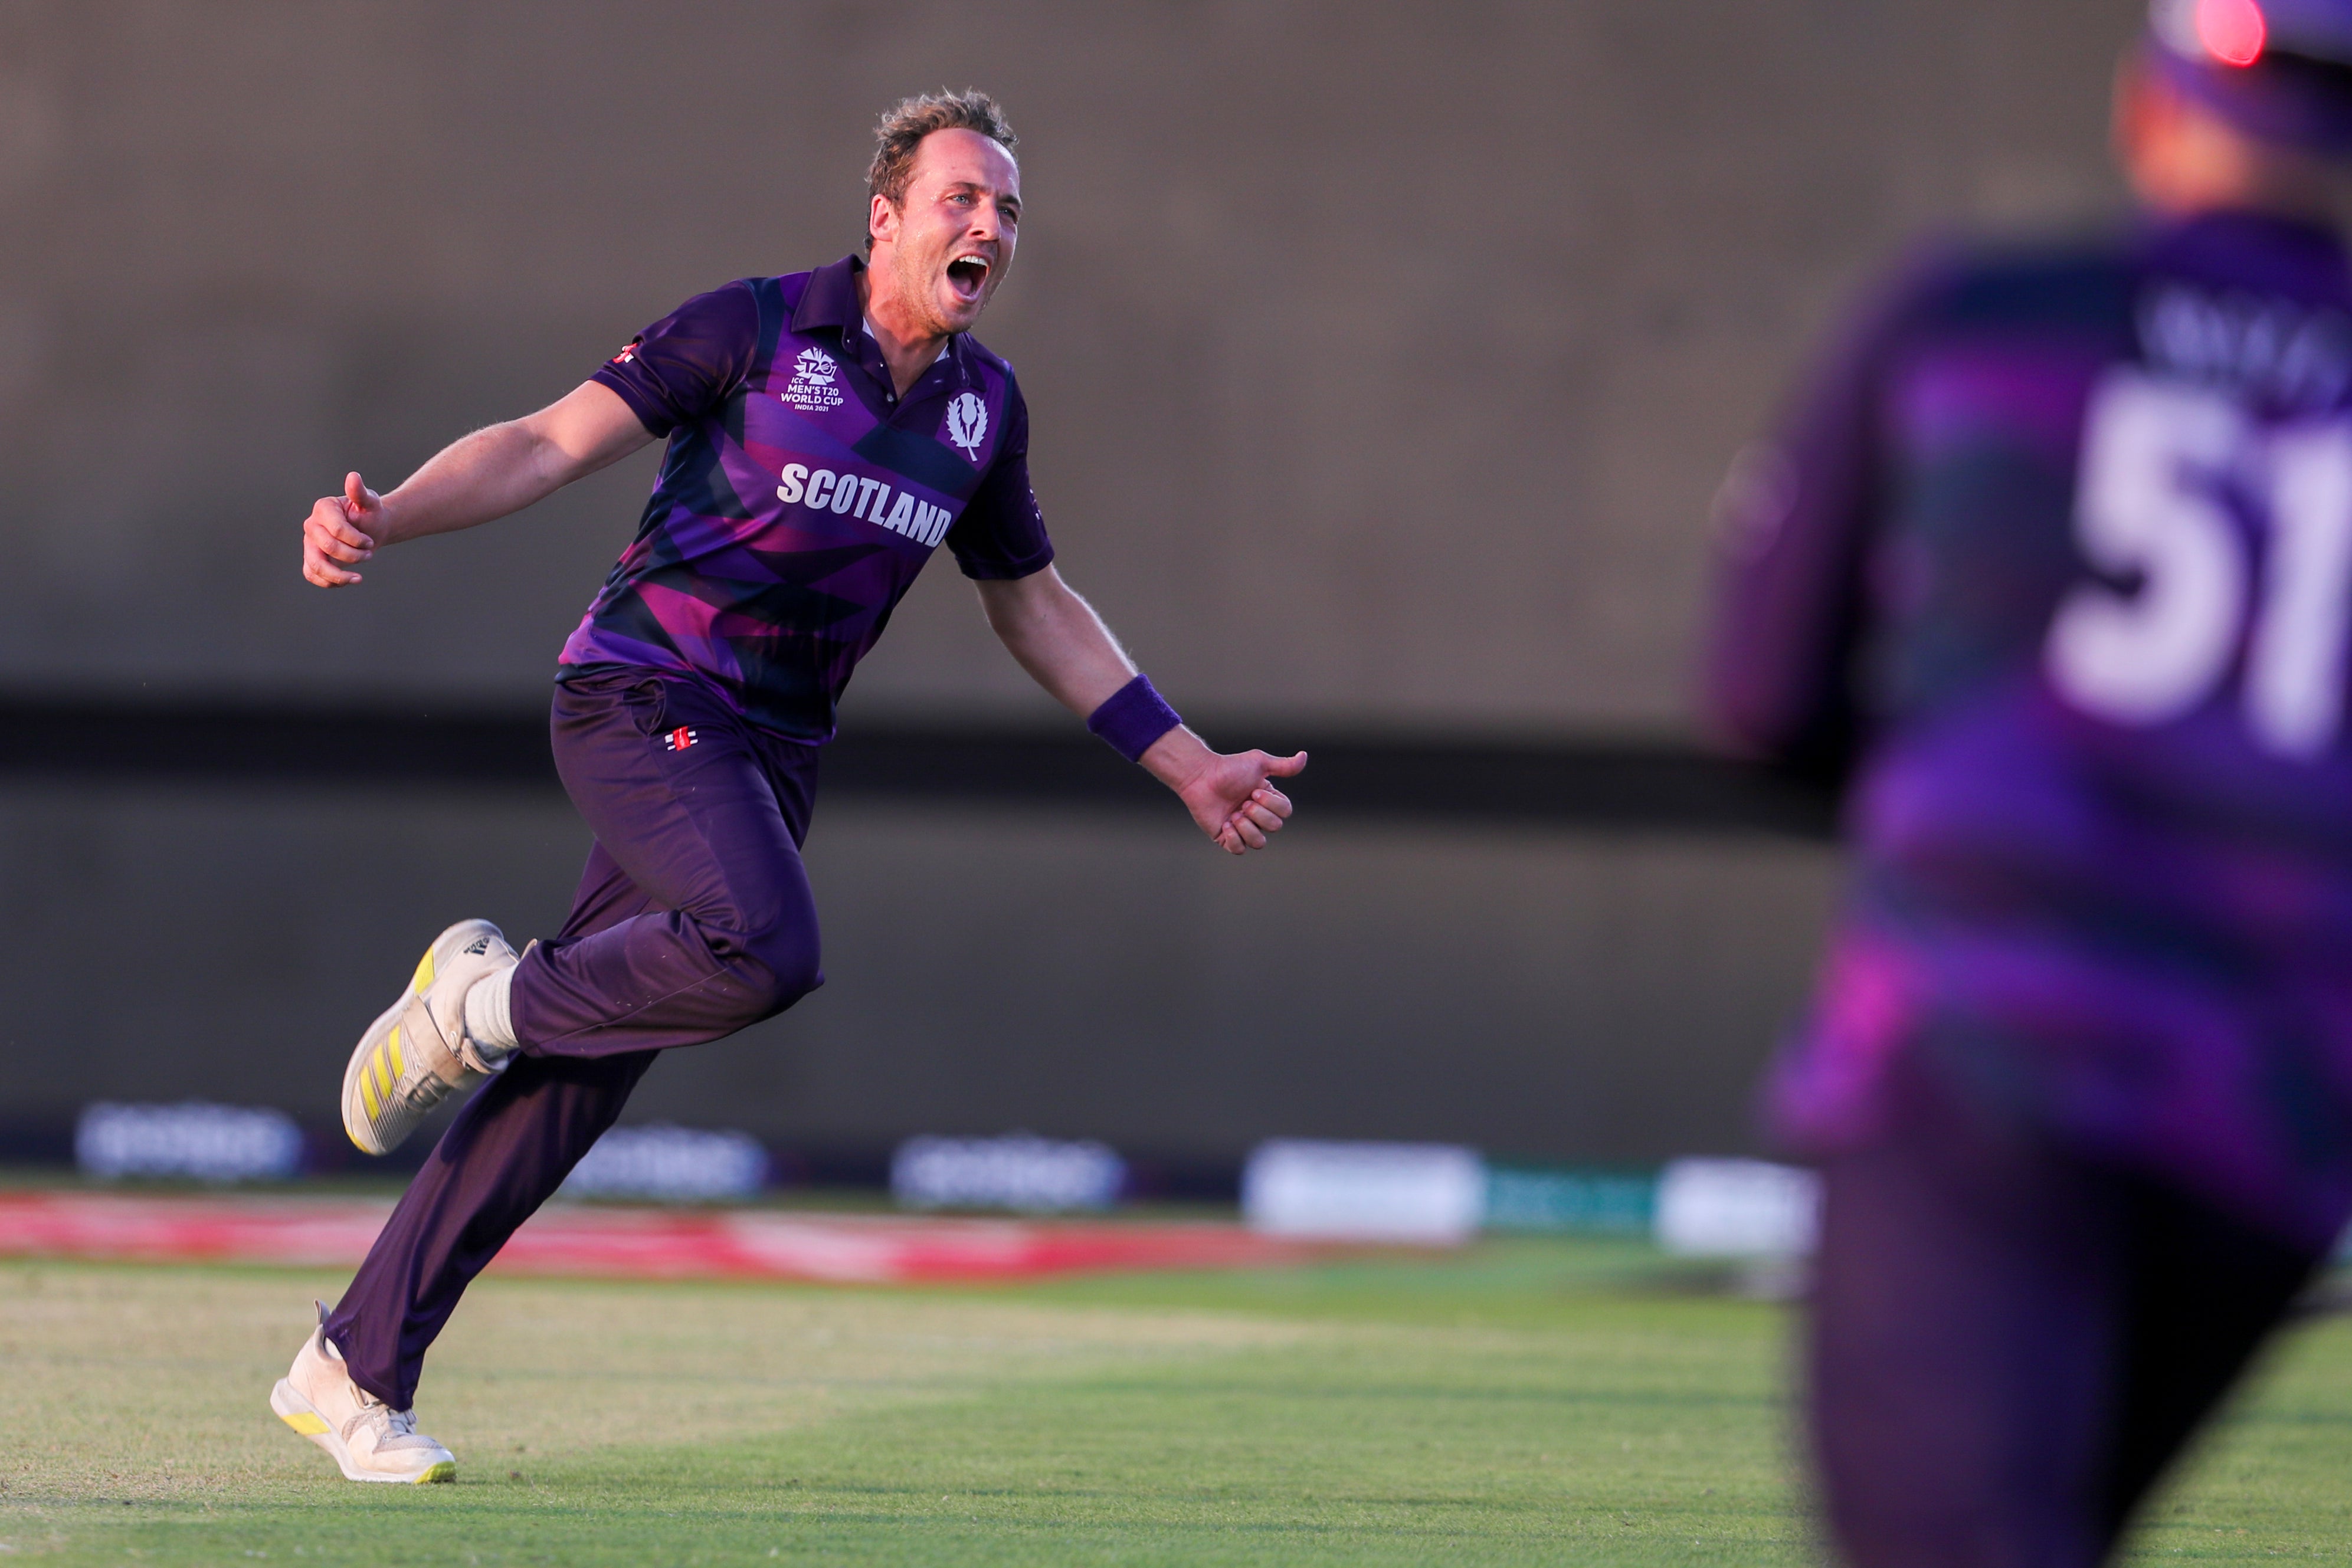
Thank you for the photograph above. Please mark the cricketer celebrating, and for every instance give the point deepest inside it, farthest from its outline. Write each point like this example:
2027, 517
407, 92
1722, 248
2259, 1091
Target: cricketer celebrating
827, 430
2056, 560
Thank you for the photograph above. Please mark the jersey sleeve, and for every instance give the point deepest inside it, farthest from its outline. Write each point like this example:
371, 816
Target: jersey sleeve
1001, 533
1795, 522
689, 361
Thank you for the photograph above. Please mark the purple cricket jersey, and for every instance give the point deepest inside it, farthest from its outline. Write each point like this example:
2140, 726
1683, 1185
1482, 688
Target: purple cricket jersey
800, 496
2056, 559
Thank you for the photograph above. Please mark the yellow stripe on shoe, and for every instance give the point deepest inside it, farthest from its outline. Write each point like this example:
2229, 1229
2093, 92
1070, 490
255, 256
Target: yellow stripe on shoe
445, 1471
396, 1073
304, 1422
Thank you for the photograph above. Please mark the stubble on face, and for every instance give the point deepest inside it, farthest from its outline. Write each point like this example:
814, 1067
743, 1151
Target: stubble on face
955, 231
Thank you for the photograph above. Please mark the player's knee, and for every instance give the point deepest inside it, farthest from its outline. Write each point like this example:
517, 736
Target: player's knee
781, 969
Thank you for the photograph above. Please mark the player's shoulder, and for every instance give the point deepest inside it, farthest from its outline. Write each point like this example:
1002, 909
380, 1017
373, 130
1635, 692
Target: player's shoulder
746, 316
785, 290
747, 300
1964, 282
979, 358
992, 375
731, 308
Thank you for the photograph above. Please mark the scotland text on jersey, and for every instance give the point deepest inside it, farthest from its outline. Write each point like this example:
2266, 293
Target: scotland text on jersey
861, 496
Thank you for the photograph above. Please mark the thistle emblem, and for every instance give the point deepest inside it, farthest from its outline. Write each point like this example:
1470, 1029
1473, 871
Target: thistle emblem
967, 422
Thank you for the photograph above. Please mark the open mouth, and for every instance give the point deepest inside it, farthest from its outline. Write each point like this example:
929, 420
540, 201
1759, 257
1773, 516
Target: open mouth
968, 275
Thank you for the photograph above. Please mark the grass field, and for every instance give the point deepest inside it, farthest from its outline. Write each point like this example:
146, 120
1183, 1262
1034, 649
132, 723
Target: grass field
1525, 1402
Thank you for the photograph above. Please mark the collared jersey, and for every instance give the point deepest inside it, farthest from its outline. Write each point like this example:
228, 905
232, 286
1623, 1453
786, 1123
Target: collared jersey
799, 496
2058, 556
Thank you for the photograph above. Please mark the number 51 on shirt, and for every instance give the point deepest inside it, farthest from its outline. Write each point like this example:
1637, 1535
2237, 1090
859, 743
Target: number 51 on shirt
2160, 460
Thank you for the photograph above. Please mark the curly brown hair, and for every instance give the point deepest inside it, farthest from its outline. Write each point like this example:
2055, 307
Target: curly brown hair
909, 120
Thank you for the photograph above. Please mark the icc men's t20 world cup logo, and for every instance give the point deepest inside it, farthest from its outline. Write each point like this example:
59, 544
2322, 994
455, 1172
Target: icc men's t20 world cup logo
817, 383
967, 422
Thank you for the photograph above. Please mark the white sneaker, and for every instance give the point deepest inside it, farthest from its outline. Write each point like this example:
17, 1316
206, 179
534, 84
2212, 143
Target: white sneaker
369, 1440
418, 1054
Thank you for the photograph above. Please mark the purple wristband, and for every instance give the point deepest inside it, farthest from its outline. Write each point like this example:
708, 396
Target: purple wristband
1133, 717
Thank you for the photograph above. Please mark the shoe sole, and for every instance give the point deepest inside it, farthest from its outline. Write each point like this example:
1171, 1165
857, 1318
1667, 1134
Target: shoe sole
303, 1416
378, 1062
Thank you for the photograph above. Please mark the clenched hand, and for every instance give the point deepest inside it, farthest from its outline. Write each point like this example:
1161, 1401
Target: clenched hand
340, 529
1232, 796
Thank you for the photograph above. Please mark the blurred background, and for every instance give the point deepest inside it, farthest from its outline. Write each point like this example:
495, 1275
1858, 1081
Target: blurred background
1384, 360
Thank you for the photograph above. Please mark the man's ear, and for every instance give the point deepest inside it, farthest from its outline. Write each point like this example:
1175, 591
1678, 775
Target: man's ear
881, 218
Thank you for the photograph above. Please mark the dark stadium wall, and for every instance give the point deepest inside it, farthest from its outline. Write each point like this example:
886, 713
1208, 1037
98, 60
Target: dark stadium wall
1537, 992
1384, 360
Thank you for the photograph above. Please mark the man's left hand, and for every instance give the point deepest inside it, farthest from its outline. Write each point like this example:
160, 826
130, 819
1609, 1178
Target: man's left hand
1232, 796
1064, 645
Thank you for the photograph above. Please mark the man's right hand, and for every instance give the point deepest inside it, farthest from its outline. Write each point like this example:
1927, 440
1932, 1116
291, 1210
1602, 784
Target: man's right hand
340, 529
498, 470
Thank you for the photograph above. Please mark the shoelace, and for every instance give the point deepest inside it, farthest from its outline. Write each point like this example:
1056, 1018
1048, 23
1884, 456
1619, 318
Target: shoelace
388, 1422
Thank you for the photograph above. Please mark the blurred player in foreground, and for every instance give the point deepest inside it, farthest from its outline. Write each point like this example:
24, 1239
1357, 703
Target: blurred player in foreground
2055, 560
827, 430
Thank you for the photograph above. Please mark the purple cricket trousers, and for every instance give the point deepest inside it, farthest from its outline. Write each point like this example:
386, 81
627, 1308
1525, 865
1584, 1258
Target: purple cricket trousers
693, 919
2010, 1344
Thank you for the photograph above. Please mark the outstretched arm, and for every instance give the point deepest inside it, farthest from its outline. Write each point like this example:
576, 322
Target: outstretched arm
498, 469
1057, 637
